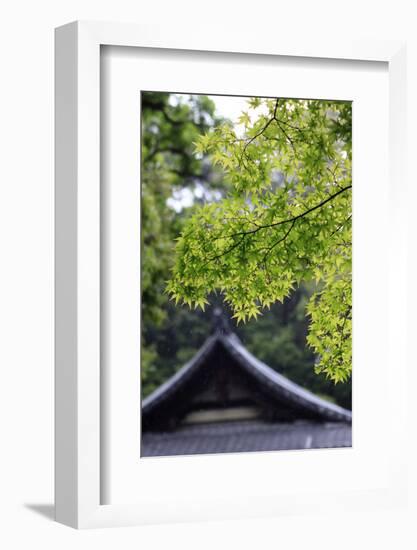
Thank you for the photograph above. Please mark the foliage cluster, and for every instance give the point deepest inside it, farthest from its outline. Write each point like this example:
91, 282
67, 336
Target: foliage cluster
285, 220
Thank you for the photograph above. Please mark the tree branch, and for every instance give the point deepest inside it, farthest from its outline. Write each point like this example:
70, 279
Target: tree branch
294, 218
235, 245
276, 243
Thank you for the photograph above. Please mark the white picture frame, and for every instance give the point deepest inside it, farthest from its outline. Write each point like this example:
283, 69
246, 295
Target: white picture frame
79, 410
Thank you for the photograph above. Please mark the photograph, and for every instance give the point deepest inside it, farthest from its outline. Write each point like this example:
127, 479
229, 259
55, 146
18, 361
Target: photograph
246, 274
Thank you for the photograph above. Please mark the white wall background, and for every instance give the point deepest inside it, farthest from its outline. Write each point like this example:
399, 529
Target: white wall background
26, 268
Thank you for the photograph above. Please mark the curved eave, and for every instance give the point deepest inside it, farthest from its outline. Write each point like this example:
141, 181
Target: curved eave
168, 388
281, 386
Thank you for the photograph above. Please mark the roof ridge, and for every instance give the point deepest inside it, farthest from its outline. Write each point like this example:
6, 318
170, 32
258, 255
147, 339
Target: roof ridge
177, 377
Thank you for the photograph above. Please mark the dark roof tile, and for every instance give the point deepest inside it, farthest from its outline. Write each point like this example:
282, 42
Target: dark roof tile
246, 436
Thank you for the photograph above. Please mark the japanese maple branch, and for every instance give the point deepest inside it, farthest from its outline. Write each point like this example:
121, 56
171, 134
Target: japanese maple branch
294, 218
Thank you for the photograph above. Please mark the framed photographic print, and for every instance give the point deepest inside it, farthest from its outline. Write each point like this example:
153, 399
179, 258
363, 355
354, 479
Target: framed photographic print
222, 207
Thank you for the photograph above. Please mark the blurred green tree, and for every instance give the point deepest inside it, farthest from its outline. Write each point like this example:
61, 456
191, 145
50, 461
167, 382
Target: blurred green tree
172, 176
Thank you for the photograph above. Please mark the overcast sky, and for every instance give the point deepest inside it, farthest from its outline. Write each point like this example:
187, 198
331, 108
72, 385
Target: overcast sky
232, 107
229, 106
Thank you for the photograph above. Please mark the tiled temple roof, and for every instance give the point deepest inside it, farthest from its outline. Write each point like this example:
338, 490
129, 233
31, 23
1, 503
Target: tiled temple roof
277, 386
